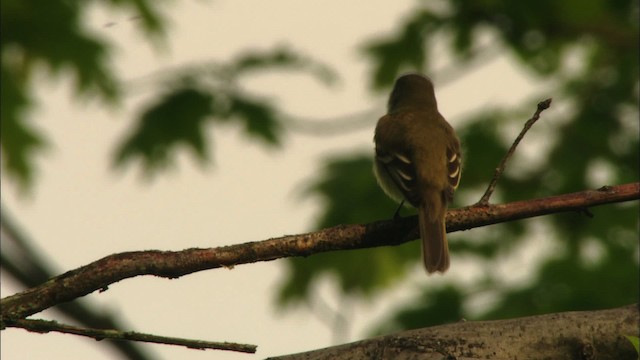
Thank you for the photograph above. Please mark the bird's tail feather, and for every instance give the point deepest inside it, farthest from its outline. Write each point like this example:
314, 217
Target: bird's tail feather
435, 250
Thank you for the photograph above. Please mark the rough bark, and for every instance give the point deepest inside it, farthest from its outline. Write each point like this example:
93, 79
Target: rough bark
570, 335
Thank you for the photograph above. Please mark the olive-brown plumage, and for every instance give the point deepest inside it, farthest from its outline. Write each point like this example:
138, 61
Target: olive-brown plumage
417, 159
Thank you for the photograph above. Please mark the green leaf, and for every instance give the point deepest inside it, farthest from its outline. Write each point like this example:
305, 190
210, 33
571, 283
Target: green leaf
434, 307
66, 47
348, 187
258, 117
19, 141
176, 119
51, 36
634, 341
407, 51
219, 97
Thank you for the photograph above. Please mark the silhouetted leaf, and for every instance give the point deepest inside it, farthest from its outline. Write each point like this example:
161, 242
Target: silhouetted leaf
259, 119
64, 48
409, 50
348, 187
19, 141
177, 119
434, 307
50, 35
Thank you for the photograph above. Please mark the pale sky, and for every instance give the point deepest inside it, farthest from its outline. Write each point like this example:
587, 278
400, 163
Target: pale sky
81, 210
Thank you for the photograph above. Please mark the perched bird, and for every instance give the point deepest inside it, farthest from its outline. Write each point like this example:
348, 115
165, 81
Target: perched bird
417, 160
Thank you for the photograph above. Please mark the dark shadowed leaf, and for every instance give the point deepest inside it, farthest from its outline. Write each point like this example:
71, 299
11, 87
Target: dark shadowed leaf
19, 141
50, 36
259, 118
349, 189
434, 307
229, 102
176, 120
407, 51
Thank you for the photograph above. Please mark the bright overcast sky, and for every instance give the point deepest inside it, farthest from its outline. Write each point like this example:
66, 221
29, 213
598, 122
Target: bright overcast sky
81, 210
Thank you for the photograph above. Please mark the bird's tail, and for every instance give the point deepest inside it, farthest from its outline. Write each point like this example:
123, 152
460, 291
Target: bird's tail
435, 250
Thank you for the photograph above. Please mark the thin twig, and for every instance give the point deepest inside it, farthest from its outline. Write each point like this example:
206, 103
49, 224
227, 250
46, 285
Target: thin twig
542, 106
45, 326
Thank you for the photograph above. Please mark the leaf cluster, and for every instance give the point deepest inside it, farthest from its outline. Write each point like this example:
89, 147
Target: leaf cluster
594, 143
39, 36
50, 37
210, 94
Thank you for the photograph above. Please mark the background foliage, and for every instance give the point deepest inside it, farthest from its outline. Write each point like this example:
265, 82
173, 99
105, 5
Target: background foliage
587, 51
599, 133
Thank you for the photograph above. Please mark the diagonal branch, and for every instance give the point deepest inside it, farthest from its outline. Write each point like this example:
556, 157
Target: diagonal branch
45, 326
172, 264
542, 106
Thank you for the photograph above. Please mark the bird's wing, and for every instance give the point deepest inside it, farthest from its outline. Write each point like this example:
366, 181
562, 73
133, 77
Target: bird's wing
400, 169
454, 167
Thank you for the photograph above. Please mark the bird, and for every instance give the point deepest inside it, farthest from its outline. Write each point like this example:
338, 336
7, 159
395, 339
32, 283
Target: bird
418, 161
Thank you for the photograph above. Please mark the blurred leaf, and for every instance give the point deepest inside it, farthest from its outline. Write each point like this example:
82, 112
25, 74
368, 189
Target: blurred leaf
67, 46
351, 193
596, 258
40, 35
572, 282
434, 307
179, 118
482, 148
406, 51
19, 141
348, 187
228, 102
176, 119
259, 119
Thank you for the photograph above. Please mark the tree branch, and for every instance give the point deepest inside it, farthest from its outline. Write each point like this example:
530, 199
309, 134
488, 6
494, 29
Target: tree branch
20, 260
172, 264
570, 335
45, 326
542, 106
